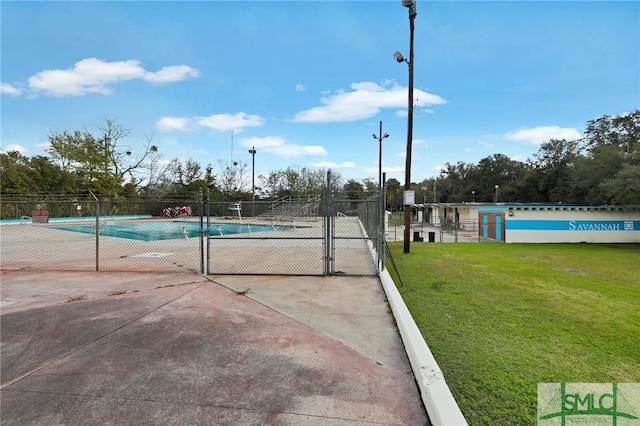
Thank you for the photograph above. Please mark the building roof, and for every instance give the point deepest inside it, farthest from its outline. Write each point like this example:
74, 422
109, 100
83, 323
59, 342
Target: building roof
532, 206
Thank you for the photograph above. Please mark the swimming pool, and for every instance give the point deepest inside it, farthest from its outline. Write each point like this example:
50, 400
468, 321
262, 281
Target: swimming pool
162, 230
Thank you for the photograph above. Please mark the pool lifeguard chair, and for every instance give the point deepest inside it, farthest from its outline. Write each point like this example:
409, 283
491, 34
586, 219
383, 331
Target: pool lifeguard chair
236, 207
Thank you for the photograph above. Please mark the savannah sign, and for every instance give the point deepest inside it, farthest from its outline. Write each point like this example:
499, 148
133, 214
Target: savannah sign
575, 225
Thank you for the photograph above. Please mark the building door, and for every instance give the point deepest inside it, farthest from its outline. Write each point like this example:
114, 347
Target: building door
492, 225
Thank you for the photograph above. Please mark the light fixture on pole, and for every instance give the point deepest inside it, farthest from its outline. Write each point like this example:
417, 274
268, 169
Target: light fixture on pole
497, 186
408, 195
379, 139
253, 151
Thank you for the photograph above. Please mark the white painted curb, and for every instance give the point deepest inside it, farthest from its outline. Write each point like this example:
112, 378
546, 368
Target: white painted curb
436, 396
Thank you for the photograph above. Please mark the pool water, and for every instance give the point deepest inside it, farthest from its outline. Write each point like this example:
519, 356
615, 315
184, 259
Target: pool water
154, 231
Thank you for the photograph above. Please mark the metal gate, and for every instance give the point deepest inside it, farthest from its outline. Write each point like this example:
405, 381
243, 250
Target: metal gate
321, 235
318, 235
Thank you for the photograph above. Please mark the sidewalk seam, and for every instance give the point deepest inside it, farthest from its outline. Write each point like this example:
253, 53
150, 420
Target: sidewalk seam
4, 386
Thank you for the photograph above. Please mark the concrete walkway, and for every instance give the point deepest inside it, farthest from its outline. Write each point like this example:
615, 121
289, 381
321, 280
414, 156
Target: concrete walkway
140, 348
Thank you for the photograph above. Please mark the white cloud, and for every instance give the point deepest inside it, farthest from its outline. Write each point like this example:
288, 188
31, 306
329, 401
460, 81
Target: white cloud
332, 165
386, 169
300, 87
542, 134
219, 122
279, 147
9, 89
365, 100
173, 123
93, 75
171, 74
393, 170
164, 162
230, 122
486, 144
14, 147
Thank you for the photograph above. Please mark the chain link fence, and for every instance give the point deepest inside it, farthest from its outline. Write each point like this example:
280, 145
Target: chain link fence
284, 239
449, 232
317, 235
85, 234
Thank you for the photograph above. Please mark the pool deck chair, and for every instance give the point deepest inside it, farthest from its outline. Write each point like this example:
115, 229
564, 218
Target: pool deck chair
236, 207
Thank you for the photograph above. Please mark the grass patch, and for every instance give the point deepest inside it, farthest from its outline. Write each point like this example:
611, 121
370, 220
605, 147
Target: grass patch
501, 318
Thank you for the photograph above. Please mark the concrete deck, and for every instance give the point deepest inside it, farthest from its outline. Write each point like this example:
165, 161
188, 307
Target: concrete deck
142, 348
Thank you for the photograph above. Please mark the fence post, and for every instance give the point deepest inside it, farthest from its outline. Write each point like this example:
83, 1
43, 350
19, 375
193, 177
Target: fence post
97, 231
381, 231
457, 222
328, 235
208, 232
201, 232
325, 221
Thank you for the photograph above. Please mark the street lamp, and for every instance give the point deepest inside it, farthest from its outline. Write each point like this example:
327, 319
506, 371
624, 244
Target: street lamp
473, 196
411, 5
253, 151
379, 139
497, 186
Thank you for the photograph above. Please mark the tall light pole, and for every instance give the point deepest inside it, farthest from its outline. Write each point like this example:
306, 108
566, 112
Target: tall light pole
497, 186
411, 5
379, 139
435, 181
253, 151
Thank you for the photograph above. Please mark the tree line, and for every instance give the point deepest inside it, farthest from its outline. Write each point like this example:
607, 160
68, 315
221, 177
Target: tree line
602, 167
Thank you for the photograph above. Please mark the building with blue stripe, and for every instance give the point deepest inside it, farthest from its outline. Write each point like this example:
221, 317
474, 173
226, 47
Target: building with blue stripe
539, 223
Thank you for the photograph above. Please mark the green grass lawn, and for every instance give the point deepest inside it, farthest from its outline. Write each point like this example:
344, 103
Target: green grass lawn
501, 318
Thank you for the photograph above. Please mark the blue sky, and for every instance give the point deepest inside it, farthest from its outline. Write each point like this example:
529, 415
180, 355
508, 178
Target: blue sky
307, 82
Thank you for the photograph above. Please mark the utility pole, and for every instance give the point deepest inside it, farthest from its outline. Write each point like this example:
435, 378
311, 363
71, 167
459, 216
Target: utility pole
411, 5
